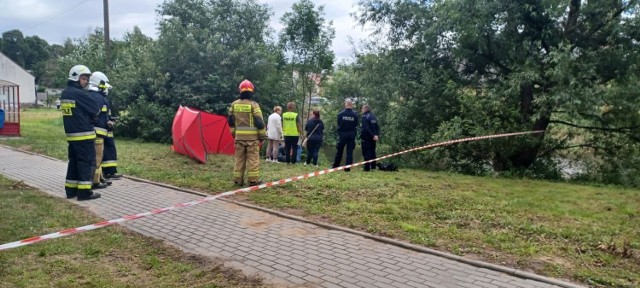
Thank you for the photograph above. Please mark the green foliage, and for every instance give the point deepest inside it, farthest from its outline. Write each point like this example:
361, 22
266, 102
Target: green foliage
204, 50
306, 38
565, 67
31, 53
188, 65
13, 45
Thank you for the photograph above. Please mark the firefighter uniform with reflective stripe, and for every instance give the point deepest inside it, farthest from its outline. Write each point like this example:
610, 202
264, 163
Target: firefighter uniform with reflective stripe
248, 129
100, 126
110, 156
78, 111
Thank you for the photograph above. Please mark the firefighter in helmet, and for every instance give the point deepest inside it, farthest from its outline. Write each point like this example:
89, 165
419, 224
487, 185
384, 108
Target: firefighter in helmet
78, 113
248, 130
110, 155
98, 89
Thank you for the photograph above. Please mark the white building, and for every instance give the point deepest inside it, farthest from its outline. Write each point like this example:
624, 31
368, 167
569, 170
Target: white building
11, 74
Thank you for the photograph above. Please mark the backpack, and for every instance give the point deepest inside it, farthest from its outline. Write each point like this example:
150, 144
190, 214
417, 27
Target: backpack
387, 167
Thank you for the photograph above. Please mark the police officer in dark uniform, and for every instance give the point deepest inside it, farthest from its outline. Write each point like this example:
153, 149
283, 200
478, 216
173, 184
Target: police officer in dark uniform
369, 134
347, 125
79, 111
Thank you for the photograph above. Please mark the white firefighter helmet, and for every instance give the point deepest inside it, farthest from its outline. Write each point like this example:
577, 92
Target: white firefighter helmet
76, 71
99, 82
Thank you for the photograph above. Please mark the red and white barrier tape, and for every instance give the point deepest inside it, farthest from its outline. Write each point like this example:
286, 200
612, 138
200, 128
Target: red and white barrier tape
229, 193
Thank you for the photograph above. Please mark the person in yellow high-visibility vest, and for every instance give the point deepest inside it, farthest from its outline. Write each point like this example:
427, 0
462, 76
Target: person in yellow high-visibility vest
292, 129
248, 130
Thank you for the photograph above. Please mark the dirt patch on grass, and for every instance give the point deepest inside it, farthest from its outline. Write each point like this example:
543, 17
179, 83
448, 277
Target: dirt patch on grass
25, 147
556, 261
20, 186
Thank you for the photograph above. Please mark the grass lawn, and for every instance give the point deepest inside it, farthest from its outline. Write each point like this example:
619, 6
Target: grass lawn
584, 233
108, 257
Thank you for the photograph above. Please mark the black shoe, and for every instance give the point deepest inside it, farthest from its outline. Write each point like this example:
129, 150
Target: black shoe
113, 176
106, 181
255, 183
71, 195
238, 184
99, 186
90, 197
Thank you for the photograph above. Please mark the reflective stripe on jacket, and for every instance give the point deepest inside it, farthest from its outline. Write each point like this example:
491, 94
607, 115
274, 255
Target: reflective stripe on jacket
245, 120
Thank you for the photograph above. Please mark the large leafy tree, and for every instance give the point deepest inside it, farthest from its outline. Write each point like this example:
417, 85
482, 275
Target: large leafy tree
204, 50
307, 38
31, 52
564, 67
133, 75
13, 45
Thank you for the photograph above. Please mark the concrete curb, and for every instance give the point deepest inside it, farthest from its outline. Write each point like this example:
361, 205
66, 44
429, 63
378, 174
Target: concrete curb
476, 263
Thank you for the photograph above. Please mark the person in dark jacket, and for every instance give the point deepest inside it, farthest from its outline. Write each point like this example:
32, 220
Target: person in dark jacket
347, 127
369, 135
98, 87
315, 132
110, 156
79, 111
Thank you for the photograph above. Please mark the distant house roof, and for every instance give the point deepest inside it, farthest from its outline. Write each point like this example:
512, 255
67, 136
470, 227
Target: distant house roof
16, 64
5, 83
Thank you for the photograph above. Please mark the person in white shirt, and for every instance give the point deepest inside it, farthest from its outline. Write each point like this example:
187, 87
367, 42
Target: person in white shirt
275, 134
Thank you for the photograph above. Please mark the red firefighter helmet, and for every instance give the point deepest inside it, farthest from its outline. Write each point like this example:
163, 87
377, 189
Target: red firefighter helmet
246, 85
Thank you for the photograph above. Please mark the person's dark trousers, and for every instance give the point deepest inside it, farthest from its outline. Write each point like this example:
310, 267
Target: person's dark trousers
82, 162
369, 153
109, 156
350, 144
313, 148
291, 148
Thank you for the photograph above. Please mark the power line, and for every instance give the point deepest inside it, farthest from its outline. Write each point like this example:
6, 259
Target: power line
52, 16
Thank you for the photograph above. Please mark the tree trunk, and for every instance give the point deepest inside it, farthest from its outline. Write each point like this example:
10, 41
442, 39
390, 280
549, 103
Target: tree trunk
304, 93
526, 154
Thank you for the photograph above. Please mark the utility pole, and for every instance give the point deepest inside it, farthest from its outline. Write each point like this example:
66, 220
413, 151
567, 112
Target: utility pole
107, 49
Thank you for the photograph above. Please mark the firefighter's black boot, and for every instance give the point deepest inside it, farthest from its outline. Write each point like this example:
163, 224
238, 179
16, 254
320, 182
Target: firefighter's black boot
90, 195
113, 176
99, 186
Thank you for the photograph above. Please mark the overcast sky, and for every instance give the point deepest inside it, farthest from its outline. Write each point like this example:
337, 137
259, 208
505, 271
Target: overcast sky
55, 20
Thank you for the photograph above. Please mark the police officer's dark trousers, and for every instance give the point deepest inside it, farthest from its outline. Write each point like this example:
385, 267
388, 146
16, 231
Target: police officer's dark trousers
369, 153
82, 162
350, 143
